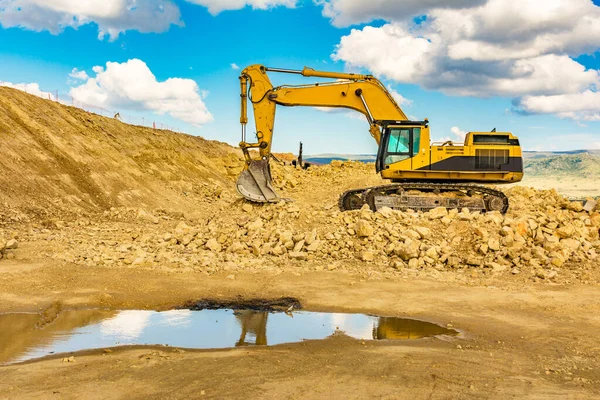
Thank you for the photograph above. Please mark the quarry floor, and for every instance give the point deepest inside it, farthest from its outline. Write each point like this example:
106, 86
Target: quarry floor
533, 341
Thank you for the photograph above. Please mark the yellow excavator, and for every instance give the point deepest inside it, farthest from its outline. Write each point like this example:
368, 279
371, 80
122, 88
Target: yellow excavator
424, 175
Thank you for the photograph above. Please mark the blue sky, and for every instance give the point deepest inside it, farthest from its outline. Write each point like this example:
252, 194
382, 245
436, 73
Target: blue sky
459, 84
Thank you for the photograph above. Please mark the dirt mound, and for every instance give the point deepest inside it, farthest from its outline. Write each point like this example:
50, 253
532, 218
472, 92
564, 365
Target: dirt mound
544, 236
56, 159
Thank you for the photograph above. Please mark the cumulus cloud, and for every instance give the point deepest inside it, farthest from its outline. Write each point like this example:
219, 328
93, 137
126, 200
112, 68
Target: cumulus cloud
234, 66
216, 6
131, 85
111, 16
77, 74
348, 12
498, 48
579, 106
31, 88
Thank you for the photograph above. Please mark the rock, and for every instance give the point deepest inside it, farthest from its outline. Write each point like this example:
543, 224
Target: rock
494, 244
247, 208
473, 261
314, 246
256, 225
236, 247
570, 244
413, 263
213, 245
566, 231
483, 249
298, 246
311, 237
496, 267
515, 271
298, 255
551, 274
432, 253
423, 232
576, 206
408, 251
367, 255
147, 217
12, 244
506, 231
557, 260
412, 234
453, 261
540, 273
589, 205
437, 213
363, 229
386, 212
482, 233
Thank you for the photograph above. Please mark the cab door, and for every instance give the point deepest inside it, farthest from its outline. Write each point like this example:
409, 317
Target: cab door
396, 146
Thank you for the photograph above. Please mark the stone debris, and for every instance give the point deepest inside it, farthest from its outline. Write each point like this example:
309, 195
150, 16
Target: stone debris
541, 231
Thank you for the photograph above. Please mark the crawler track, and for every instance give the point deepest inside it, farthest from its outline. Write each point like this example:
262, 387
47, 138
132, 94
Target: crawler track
431, 195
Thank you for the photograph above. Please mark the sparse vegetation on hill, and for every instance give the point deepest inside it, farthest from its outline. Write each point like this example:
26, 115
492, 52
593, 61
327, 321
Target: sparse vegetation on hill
582, 165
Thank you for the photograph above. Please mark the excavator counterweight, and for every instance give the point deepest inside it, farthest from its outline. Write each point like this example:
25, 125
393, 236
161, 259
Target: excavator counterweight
425, 175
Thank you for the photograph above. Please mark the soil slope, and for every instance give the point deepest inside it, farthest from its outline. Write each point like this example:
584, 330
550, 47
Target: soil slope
56, 158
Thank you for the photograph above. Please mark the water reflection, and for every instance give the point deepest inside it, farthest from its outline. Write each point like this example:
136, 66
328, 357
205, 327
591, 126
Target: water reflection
21, 339
254, 324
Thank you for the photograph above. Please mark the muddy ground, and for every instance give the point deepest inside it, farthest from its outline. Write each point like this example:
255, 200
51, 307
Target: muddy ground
518, 341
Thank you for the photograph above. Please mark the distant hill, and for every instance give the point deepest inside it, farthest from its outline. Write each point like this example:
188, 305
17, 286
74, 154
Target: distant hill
328, 158
580, 165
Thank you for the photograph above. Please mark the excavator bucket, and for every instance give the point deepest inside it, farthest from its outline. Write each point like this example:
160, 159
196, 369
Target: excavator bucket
255, 183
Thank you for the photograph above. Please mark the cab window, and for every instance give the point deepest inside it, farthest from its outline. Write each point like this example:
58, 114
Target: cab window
416, 141
399, 145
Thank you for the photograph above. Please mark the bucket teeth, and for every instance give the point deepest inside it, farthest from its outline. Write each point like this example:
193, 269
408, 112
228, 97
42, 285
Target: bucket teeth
255, 183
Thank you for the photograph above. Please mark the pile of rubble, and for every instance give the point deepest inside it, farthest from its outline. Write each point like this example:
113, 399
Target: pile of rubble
543, 233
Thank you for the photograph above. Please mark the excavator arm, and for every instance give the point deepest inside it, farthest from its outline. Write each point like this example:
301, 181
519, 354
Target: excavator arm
362, 93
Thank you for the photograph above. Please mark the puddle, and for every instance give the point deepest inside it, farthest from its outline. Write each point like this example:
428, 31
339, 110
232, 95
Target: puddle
22, 337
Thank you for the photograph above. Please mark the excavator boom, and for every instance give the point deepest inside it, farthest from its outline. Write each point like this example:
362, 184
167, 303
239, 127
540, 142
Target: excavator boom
362, 93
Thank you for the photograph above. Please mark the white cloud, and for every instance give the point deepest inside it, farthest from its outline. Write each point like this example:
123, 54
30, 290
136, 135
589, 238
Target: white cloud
111, 16
349, 12
459, 134
578, 106
234, 66
77, 74
131, 85
400, 100
500, 48
216, 6
31, 88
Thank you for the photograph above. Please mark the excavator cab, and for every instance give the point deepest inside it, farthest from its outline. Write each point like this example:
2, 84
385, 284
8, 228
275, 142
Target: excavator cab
404, 144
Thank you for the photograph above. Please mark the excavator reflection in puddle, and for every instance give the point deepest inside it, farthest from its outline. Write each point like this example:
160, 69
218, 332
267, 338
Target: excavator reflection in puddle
254, 325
